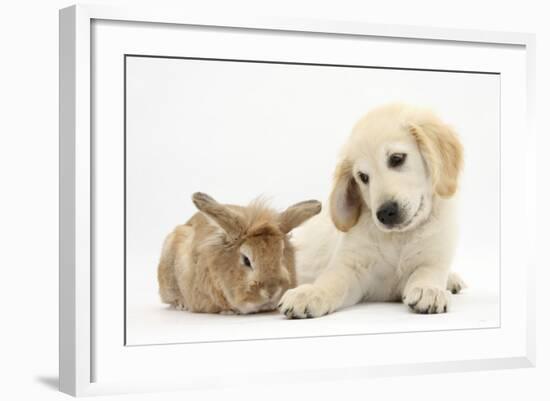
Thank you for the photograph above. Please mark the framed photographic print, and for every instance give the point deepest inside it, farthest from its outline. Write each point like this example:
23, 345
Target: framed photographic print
337, 198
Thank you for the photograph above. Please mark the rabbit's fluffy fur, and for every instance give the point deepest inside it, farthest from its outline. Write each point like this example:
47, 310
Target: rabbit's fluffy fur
231, 259
389, 232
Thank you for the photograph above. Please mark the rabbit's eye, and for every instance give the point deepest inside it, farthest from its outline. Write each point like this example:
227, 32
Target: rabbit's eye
246, 261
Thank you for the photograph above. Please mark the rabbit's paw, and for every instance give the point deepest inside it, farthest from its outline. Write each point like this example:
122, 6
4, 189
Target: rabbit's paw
305, 301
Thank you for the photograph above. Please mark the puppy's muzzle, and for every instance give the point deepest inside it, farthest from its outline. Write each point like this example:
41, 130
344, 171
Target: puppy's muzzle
388, 214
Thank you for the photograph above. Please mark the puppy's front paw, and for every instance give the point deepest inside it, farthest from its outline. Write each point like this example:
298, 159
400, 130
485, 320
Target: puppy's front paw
426, 300
305, 301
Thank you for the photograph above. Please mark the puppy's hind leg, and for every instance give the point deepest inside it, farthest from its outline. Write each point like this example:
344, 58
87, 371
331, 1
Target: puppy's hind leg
455, 284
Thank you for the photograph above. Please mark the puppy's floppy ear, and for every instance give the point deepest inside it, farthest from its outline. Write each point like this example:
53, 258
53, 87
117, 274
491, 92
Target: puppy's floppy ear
221, 215
297, 214
442, 152
345, 200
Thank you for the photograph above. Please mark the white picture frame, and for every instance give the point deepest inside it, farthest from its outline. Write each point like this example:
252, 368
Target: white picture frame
93, 355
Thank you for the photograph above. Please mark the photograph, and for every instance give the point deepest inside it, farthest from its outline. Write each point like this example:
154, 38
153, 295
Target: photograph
249, 199
269, 199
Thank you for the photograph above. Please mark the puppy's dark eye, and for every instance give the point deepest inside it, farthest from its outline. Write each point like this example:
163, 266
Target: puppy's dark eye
363, 177
246, 261
397, 159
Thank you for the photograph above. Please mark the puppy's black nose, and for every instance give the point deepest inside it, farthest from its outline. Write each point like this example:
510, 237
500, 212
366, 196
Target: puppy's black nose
388, 214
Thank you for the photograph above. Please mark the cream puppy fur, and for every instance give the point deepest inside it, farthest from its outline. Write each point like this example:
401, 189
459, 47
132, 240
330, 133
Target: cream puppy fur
389, 232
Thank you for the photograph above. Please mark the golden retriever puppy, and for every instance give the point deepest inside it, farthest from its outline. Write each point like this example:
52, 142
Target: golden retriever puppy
389, 232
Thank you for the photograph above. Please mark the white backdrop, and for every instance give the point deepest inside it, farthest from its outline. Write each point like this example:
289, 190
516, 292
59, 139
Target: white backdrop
29, 168
238, 130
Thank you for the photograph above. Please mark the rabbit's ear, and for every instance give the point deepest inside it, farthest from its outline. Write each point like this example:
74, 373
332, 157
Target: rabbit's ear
297, 214
227, 219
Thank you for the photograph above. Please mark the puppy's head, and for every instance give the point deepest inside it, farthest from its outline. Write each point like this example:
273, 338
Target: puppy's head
396, 161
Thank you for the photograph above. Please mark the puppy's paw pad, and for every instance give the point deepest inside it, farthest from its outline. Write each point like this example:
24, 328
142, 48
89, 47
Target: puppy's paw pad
305, 301
426, 300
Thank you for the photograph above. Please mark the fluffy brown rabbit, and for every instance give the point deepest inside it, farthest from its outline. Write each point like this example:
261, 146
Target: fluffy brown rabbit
231, 259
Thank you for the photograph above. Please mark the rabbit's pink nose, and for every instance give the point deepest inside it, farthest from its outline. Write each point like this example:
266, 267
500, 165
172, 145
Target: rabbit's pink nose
271, 292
